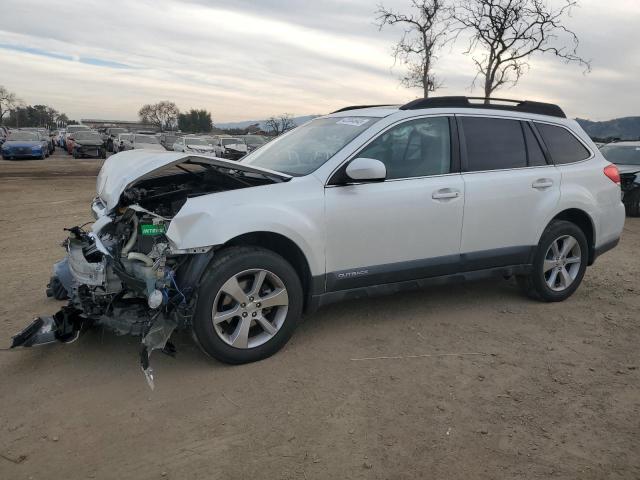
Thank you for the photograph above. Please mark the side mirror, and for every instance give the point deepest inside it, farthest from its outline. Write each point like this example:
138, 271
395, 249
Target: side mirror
366, 170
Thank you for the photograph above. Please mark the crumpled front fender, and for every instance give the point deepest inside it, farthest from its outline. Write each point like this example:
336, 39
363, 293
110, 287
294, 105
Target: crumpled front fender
292, 210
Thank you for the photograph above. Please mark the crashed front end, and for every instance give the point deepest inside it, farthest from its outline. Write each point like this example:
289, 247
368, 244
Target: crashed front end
123, 273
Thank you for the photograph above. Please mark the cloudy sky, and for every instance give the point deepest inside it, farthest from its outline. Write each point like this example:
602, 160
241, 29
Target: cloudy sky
244, 59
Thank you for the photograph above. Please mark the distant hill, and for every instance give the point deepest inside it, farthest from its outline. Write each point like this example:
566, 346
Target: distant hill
297, 120
626, 128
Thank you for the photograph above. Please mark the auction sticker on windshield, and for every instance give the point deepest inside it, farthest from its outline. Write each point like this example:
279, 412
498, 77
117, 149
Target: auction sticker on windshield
354, 121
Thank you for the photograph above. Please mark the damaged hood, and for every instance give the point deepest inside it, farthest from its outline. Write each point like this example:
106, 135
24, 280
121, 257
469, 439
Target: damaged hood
123, 169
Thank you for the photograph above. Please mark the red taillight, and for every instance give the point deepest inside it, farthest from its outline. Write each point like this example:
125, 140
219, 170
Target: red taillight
613, 173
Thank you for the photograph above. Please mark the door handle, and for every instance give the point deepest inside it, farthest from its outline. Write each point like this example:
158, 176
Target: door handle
445, 193
542, 183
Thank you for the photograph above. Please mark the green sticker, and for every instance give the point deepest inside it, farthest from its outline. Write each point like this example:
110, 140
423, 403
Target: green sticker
150, 229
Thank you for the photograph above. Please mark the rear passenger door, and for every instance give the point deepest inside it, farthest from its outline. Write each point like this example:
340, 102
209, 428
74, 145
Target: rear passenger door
510, 190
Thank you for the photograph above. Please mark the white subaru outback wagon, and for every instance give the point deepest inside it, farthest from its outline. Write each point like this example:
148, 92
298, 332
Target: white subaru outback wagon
363, 201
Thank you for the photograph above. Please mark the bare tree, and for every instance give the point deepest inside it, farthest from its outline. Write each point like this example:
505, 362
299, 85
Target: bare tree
162, 114
280, 124
505, 33
426, 31
8, 102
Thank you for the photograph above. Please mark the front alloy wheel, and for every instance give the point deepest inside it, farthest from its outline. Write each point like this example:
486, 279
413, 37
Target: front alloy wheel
250, 308
249, 303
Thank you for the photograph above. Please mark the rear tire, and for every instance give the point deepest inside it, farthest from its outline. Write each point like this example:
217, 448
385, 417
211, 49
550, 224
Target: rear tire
245, 330
632, 203
556, 274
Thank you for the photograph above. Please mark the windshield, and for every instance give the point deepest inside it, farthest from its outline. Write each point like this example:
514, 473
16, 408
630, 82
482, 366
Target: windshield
306, 148
76, 128
195, 141
145, 139
88, 136
231, 141
28, 136
116, 131
622, 154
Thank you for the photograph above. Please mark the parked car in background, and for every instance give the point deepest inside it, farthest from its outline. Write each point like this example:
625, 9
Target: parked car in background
72, 129
48, 141
45, 135
22, 144
167, 139
112, 137
123, 142
89, 144
60, 137
146, 142
253, 141
4, 133
194, 144
232, 148
69, 142
626, 155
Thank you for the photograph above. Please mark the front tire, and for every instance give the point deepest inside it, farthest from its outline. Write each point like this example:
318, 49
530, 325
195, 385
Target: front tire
249, 303
559, 263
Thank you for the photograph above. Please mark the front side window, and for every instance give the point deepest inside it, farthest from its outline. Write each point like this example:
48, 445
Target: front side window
306, 148
562, 145
416, 148
493, 144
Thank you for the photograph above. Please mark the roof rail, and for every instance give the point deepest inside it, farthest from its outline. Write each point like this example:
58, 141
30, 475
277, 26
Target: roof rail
358, 107
486, 103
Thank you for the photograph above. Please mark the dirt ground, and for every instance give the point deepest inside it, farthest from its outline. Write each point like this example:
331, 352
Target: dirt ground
490, 385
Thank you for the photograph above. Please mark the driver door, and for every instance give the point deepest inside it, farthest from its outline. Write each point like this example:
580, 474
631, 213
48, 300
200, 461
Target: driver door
406, 227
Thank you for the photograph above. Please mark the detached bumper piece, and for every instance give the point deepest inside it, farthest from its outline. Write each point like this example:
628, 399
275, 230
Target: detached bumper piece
65, 327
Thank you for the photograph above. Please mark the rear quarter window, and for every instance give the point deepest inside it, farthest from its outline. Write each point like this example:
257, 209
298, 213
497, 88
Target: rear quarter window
563, 146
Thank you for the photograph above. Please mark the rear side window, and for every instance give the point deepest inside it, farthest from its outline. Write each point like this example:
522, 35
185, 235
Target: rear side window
562, 145
493, 143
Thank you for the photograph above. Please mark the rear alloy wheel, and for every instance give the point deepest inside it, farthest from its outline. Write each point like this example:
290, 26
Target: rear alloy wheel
562, 263
249, 304
559, 264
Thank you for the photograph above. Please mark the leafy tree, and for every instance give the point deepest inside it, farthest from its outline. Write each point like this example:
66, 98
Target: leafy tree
195, 121
162, 114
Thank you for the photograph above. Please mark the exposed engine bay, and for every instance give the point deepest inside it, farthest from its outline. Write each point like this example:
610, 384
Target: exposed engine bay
123, 274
